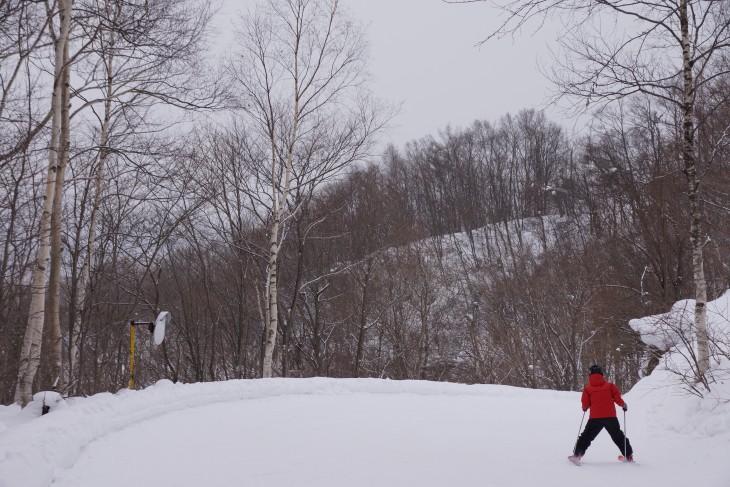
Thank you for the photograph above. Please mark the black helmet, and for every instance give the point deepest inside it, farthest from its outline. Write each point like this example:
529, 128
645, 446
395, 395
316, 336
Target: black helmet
595, 369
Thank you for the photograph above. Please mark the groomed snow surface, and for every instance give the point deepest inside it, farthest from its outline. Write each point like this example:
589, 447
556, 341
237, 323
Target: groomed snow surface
358, 432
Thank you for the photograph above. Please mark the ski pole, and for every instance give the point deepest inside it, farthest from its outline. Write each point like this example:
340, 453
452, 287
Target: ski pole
626, 435
579, 428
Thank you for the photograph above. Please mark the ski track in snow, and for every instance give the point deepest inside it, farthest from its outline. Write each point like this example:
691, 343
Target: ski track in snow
358, 432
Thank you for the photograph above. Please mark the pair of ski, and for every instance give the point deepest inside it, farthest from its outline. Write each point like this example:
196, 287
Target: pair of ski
576, 460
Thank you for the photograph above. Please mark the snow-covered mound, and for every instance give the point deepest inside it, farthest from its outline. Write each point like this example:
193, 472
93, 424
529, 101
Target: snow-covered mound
673, 332
673, 401
676, 327
664, 331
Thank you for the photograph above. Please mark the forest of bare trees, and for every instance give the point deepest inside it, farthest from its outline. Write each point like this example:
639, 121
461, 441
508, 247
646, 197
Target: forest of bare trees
245, 198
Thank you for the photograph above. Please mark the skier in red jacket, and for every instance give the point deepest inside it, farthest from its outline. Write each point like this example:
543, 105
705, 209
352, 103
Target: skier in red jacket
599, 396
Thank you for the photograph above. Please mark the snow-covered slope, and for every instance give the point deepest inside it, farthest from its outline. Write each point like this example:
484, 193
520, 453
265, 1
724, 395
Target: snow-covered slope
363, 432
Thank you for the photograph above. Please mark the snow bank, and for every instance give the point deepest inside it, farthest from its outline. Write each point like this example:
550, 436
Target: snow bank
664, 396
31, 452
667, 408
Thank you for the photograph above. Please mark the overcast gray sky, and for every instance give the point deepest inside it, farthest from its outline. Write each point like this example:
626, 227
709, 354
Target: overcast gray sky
423, 54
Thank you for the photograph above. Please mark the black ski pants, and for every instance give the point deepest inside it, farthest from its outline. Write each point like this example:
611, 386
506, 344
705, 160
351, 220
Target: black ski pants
593, 427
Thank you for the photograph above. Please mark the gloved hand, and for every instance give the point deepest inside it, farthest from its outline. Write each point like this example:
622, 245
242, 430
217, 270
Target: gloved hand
585, 409
625, 407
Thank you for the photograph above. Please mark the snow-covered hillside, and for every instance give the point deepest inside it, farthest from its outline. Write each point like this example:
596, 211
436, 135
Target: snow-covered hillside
363, 432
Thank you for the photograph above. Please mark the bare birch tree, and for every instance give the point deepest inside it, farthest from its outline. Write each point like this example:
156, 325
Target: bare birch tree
299, 72
31, 350
54, 280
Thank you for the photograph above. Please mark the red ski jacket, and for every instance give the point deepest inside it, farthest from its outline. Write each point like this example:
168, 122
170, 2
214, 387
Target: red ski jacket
599, 395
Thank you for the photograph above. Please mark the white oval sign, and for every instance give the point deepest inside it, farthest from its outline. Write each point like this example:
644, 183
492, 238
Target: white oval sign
160, 323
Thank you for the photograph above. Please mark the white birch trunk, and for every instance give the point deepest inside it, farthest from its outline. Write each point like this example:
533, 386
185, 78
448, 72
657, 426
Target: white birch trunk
54, 283
85, 274
690, 169
272, 314
279, 197
30, 353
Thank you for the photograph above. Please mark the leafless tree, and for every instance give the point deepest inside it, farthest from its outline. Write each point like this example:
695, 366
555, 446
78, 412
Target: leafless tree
30, 354
143, 55
299, 73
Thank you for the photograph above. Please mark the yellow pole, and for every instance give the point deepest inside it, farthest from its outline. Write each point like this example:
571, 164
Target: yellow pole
131, 355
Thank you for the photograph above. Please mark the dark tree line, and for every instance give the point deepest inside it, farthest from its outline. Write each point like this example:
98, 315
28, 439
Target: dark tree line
481, 255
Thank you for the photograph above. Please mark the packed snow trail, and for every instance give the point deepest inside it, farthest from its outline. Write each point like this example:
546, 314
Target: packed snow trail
365, 433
